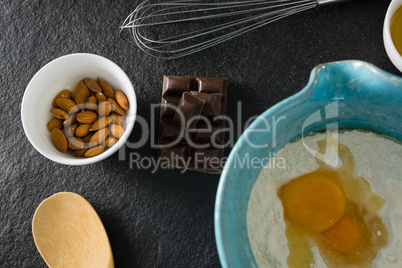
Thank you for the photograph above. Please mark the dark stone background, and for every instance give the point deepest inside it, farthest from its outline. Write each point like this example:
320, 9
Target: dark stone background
163, 219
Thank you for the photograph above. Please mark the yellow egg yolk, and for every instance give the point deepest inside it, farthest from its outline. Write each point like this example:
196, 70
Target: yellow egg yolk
314, 201
347, 236
334, 211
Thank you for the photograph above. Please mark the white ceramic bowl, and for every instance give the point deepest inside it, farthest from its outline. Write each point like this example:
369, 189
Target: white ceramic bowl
393, 54
64, 73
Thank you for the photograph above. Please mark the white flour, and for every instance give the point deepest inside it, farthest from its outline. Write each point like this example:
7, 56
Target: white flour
377, 159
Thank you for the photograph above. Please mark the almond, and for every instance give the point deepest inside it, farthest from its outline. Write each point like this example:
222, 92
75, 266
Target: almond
67, 105
116, 107
100, 123
81, 95
117, 119
87, 137
121, 99
70, 131
58, 139
104, 108
75, 143
54, 123
87, 117
91, 106
100, 97
58, 113
99, 136
106, 89
92, 85
83, 130
81, 152
77, 86
95, 151
92, 103
116, 130
62, 94
70, 121
110, 141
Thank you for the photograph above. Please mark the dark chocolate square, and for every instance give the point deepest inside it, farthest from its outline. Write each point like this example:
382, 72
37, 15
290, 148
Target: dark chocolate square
177, 85
212, 104
197, 145
169, 131
188, 110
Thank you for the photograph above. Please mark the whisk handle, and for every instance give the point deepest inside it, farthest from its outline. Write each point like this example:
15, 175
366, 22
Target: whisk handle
325, 2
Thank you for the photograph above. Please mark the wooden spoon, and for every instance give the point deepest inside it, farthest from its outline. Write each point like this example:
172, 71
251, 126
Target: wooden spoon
69, 233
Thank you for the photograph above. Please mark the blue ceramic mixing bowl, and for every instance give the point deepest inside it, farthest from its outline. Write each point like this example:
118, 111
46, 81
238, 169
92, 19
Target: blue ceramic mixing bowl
347, 94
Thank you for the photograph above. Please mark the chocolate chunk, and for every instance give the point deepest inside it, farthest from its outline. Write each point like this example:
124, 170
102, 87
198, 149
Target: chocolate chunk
212, 102
169, 107
212, 85
189, 110
177, 85
169, 131
191, 133
213, 133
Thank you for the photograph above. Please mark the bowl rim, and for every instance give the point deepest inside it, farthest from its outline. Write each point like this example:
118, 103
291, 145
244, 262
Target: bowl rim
392, 52
226, 178
106, 153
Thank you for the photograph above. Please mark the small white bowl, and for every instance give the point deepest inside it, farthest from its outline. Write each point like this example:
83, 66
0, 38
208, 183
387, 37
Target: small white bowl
393, 54
64, 73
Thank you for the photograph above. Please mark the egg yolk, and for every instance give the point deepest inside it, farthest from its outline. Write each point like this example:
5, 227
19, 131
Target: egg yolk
347, 236
314, 201
335, 212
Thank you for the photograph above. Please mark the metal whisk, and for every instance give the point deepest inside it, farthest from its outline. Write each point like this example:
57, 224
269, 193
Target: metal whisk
173, 29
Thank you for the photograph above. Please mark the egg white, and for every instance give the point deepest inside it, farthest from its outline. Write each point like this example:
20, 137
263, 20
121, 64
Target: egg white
377, 159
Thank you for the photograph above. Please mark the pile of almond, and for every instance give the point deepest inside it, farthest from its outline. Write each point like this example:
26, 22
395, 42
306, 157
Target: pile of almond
88, 119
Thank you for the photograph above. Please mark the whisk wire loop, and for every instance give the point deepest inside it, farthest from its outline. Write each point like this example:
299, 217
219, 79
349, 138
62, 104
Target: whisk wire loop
178, 28
209, 9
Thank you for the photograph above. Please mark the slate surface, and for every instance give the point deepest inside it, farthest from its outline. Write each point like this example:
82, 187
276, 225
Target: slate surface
162, 219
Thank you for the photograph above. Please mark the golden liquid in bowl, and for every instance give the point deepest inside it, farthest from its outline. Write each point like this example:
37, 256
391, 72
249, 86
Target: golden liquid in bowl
396, 29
